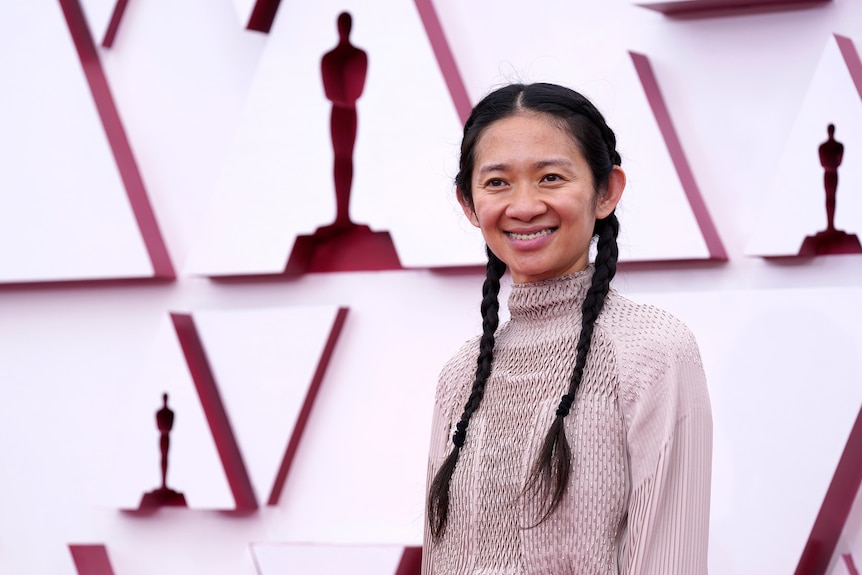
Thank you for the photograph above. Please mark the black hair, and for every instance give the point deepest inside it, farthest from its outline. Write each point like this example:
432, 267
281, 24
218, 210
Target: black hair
597, 143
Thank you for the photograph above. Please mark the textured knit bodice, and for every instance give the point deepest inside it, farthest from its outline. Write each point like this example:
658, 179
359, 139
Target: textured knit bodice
643, 391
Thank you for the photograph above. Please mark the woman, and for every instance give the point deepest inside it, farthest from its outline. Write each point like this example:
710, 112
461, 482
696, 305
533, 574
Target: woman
577, 438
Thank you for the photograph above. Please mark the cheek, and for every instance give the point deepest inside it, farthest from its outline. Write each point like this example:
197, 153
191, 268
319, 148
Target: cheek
483, 213
470, 212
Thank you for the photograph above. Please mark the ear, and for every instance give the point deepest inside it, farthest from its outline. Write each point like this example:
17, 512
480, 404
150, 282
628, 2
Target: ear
467, 207
608, 202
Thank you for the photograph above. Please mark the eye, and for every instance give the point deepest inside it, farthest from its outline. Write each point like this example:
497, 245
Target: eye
494, 183
552, 178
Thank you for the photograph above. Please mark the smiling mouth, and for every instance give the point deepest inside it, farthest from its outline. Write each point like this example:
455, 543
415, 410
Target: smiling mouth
532, 236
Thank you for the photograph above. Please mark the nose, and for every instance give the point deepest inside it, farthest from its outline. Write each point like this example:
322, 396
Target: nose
526, 203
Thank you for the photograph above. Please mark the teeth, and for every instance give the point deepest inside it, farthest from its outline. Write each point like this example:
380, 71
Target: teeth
532, 236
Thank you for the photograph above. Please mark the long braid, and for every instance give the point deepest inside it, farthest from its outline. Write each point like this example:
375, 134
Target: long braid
438, 499
553, 466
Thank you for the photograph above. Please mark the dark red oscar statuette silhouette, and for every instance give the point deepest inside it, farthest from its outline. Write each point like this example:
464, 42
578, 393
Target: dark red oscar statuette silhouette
164, 496
831, 240
343, 245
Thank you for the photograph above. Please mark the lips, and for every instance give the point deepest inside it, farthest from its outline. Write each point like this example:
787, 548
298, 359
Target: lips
532, 235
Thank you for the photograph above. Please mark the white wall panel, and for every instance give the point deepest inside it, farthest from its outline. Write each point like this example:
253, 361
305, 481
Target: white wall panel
194, 466
795, 206
180, 74
277, 182
230, 127
66, 215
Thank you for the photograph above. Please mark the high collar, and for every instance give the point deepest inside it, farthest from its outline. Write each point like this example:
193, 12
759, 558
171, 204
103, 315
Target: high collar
551, 297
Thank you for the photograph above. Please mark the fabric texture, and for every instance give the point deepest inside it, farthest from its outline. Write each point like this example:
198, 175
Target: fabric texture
640, 430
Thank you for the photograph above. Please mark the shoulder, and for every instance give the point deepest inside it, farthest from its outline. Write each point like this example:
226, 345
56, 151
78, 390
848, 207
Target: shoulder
643, 324
456, 376
649, 342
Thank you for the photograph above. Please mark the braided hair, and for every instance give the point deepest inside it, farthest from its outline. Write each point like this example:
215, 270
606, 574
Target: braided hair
597, 143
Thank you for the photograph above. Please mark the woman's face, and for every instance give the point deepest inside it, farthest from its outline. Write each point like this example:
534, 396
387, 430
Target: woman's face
534, 198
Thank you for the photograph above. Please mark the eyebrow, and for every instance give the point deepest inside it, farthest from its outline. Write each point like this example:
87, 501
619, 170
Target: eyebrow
563, 162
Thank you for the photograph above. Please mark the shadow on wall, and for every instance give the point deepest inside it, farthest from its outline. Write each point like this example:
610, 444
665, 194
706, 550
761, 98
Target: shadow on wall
831, 240
164, 496
343, 245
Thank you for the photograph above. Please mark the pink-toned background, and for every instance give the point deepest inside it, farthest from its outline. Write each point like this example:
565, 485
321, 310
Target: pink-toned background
160, 183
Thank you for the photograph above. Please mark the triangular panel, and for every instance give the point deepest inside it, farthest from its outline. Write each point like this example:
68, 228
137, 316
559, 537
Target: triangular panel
662, 214
795, 205
74, 204
278, 183
269, 364
194, 466
181, 71
658, 221
241, 384
674, 198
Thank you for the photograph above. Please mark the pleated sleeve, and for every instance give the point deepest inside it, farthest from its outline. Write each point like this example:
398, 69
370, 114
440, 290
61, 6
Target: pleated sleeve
437, 453
669, 441
453, 383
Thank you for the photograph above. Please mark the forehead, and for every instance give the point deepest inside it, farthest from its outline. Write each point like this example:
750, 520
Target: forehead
525, 134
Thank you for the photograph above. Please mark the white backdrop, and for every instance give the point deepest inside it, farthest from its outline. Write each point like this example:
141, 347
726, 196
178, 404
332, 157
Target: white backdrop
83, 364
